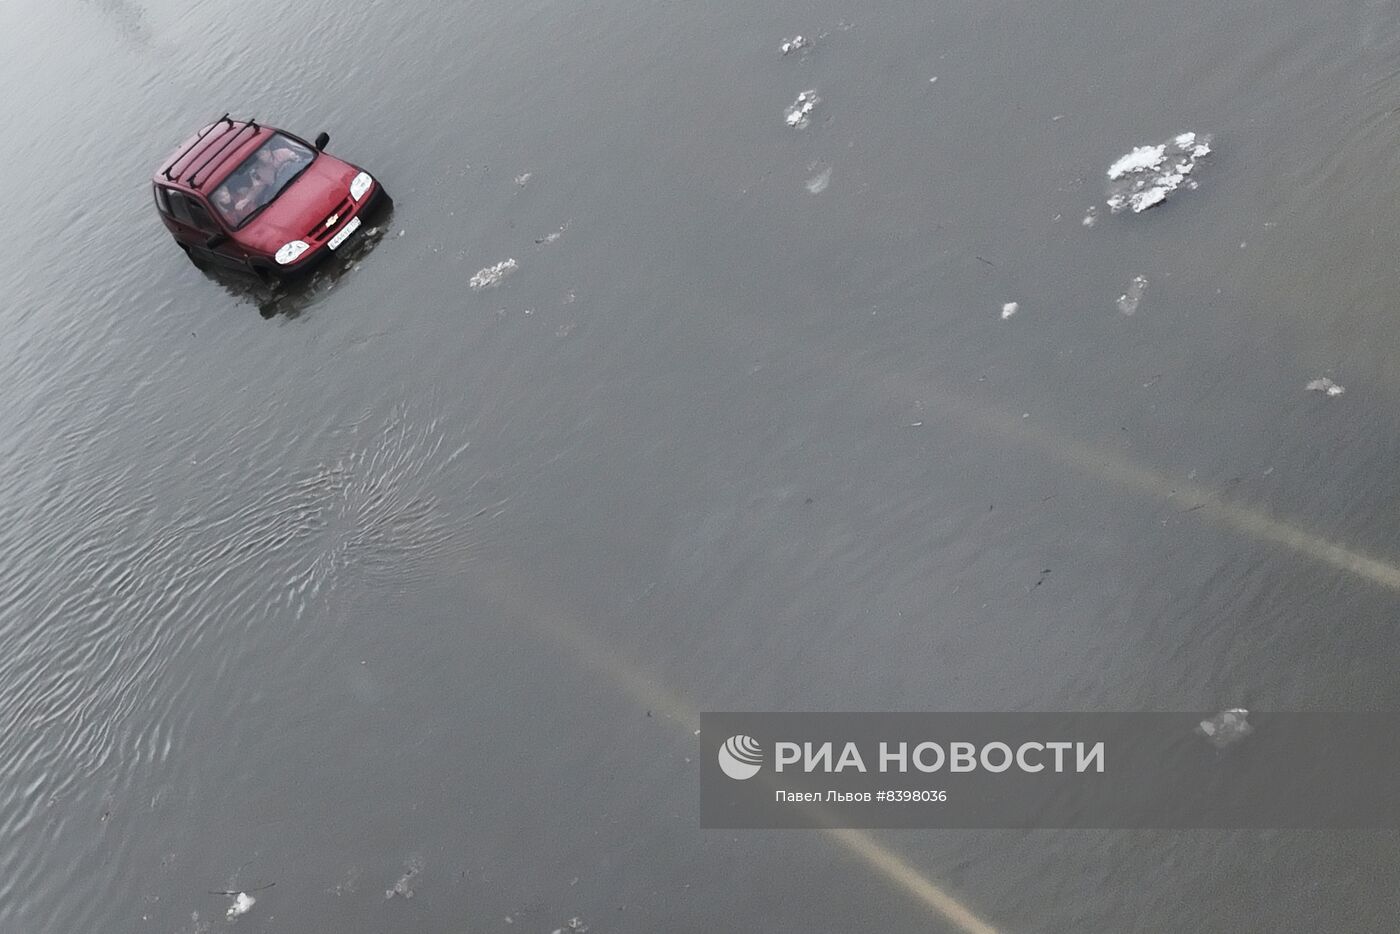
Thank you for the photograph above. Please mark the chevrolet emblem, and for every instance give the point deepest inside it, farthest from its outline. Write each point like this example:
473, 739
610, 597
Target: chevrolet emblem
330, 221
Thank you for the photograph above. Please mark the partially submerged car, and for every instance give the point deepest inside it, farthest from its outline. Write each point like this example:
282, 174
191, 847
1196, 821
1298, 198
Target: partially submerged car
243, 196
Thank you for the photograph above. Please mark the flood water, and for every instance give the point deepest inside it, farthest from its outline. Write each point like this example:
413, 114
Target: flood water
395, 587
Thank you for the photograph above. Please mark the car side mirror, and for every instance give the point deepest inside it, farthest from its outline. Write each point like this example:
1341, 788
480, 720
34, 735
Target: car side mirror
216, 241
322, 139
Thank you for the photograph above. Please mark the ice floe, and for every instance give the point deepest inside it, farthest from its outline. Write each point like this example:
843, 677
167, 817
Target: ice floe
1009, 309
1323, 384
242, 904
795, 44
1226, 728
797, 114
1128, 301
492, 275
1145, 176
404, 887
554, 235
818, 182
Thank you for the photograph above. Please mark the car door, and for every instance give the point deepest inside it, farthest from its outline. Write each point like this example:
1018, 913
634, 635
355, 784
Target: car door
203, 231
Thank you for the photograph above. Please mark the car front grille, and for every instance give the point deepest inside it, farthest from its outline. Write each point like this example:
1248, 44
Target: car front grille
321, 232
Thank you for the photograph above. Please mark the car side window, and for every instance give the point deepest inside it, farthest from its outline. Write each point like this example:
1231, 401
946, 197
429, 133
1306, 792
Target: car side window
162, 200
179, 208
200, 217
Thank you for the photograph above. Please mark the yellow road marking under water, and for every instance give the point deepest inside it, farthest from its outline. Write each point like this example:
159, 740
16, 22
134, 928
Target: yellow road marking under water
558, 627
1097, 460
985, 420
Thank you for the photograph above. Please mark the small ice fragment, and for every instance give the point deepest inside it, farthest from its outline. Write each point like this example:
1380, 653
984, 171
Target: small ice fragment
1143, 200
1226, 728
1091, 217
242, 904
492, 275
1323, 384
522, 178
817, 183
797, 113
1009, 309
1143, 157
794, 44
1128, 301
554, 235
933, 80
404, 887
400, 233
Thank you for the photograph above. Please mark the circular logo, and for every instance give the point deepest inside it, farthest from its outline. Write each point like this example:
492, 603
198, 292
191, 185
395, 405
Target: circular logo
740, 757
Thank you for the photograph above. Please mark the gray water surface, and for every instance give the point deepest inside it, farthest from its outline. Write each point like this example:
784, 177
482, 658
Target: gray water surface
410, 588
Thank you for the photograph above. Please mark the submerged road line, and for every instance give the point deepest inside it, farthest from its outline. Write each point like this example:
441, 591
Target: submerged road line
1099, 461
559, 627
979, 418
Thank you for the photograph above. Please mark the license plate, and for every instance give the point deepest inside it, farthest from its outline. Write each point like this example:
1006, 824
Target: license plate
345, 232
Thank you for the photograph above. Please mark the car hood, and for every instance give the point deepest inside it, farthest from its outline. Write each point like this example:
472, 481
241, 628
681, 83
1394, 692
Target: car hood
303, 204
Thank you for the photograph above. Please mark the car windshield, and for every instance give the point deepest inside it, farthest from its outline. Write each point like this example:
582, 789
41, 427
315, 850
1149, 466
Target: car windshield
260, 179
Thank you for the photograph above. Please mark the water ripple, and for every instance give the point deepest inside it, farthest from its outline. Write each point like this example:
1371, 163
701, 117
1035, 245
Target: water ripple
120, 595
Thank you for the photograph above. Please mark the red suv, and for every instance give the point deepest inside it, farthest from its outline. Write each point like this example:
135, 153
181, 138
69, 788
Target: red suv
254, 198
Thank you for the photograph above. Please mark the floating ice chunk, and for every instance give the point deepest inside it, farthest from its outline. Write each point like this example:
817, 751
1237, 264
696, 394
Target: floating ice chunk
1009, 309
555, 235
404, 887
492, 275
1197, 147
522, 178
817, 183
1226, 728
1323, 384
798, 112
796, 43
1146, 199
242, 904
1143, 157
1148, 174
1128, 301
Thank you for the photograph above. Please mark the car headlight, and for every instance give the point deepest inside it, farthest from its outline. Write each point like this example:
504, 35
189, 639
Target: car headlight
359, 185
290, 251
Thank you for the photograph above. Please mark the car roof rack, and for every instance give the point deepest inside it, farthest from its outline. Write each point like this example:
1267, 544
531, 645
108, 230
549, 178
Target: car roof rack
221, 149
170, 169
